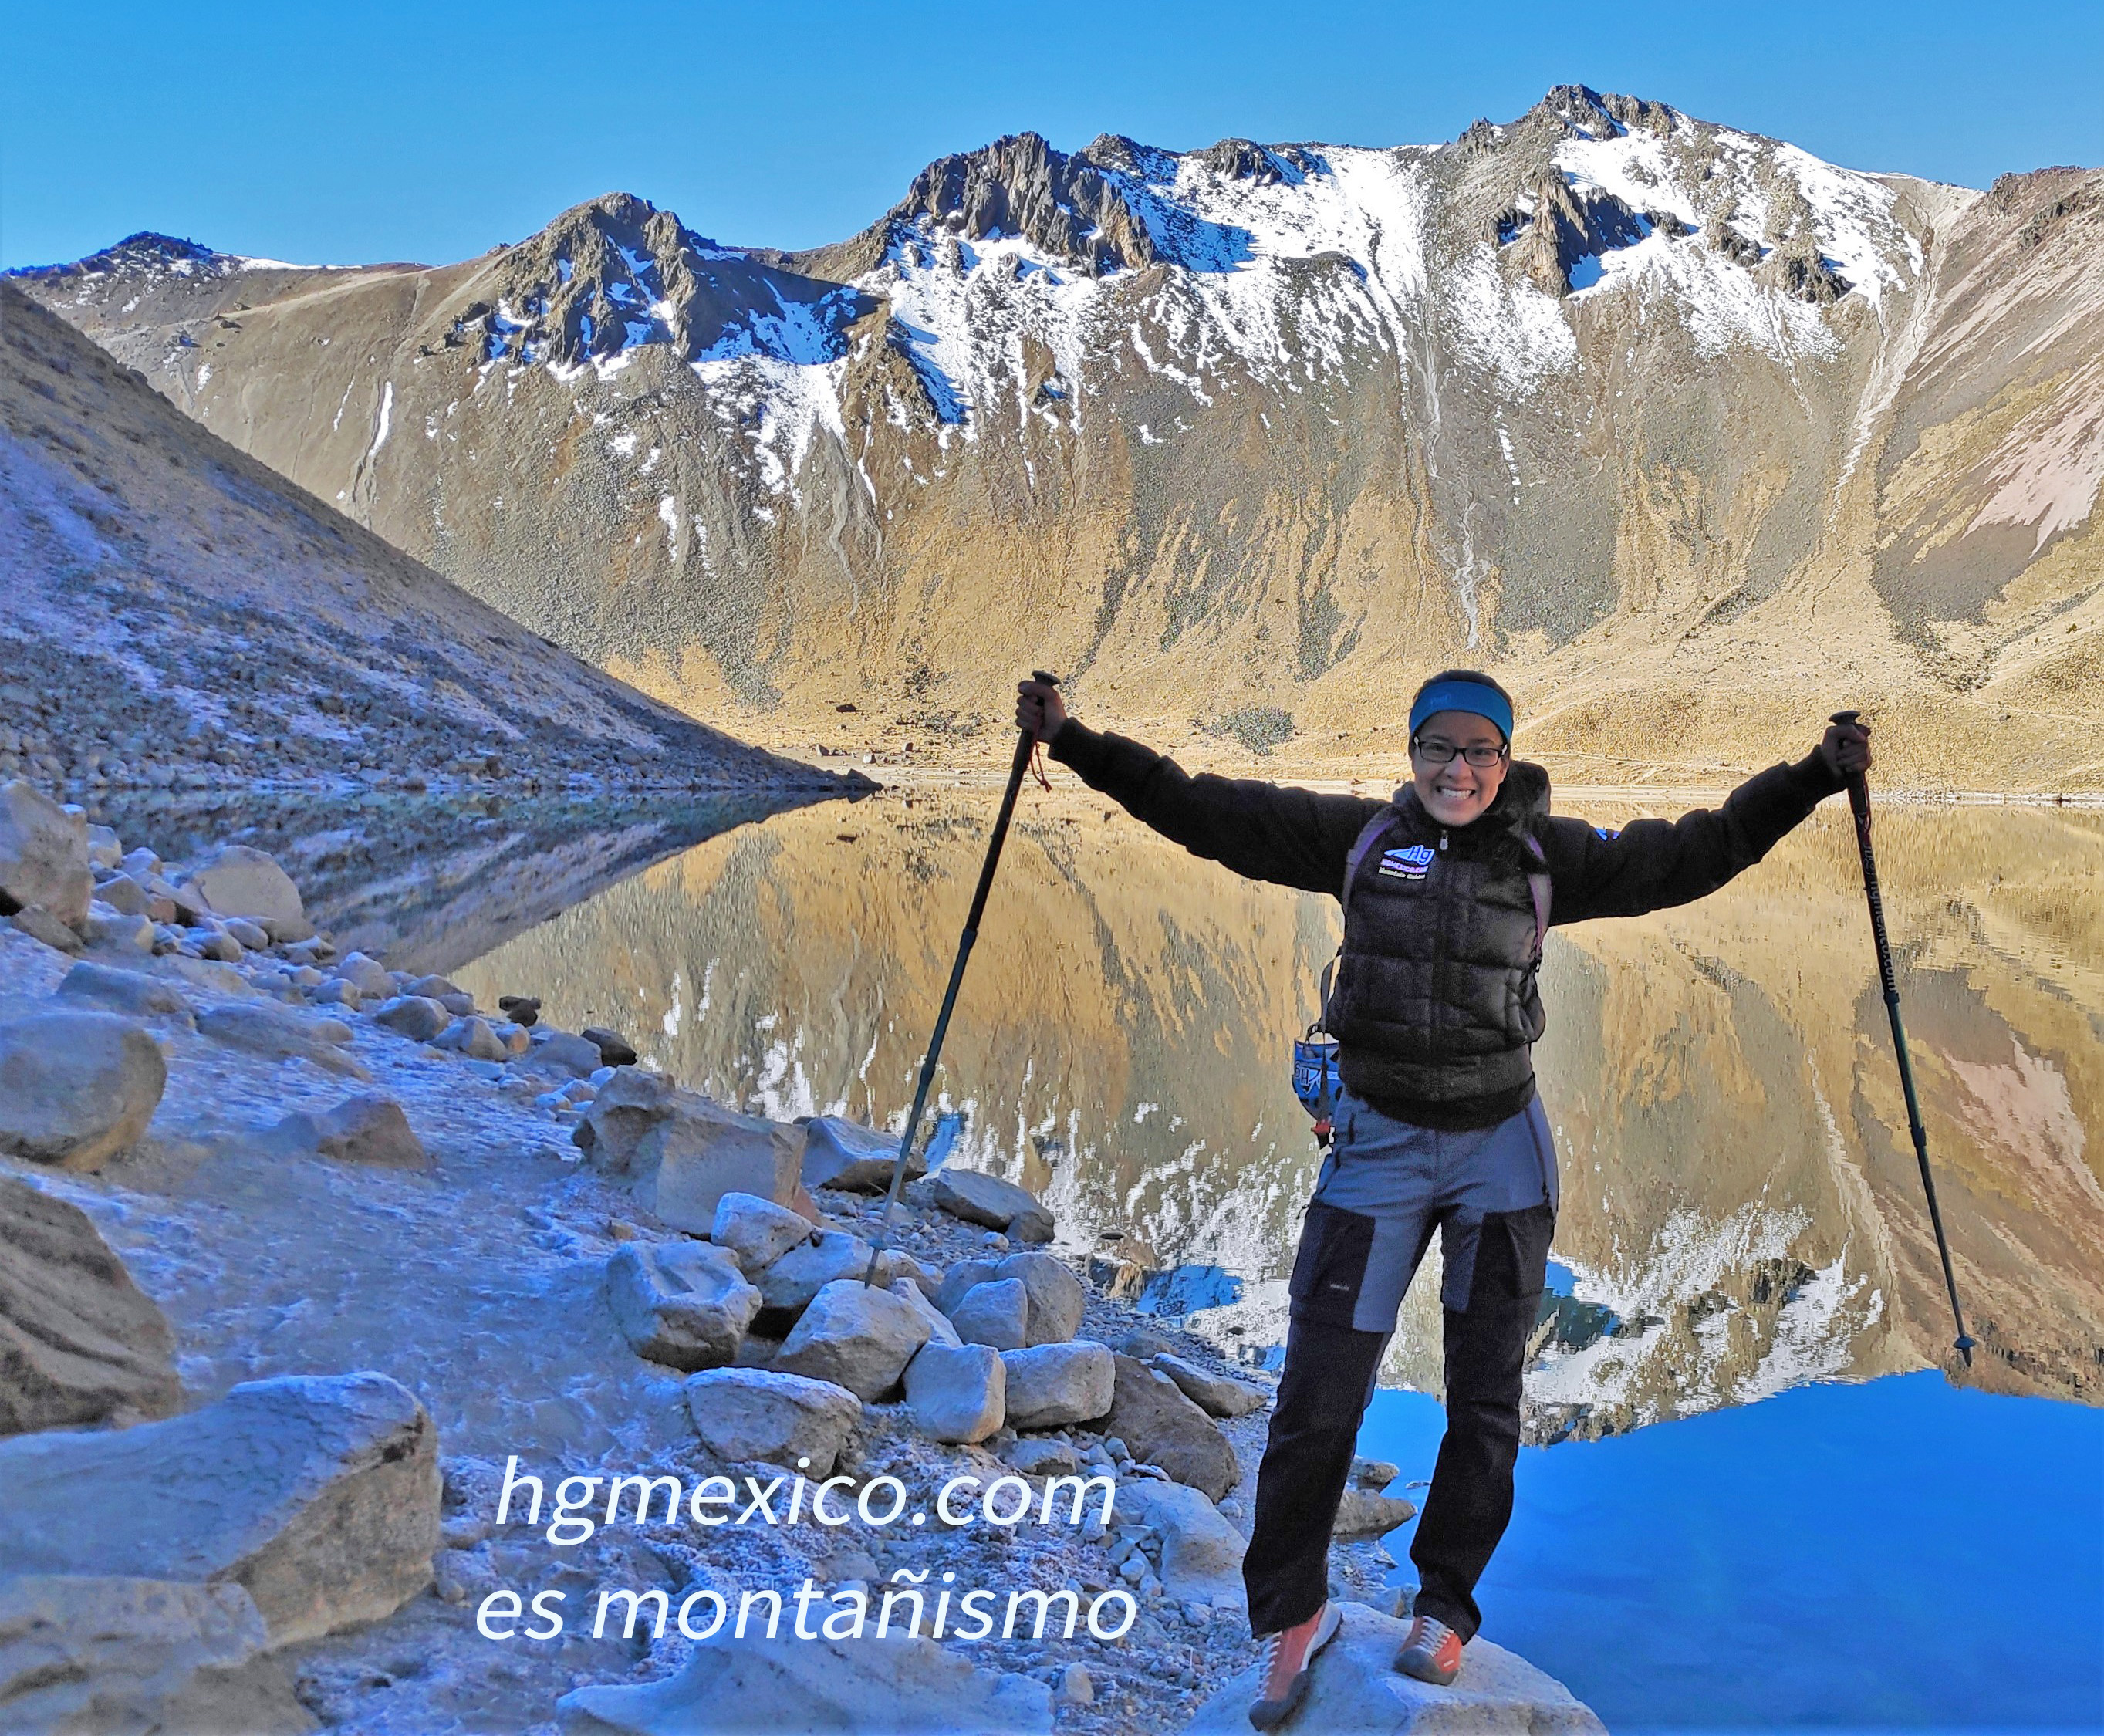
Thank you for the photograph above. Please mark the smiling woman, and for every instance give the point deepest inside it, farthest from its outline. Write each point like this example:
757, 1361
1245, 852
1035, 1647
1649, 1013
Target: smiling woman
1436, 1010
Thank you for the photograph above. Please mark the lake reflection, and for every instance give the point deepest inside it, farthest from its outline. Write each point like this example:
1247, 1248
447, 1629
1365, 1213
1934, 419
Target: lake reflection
1741, 1211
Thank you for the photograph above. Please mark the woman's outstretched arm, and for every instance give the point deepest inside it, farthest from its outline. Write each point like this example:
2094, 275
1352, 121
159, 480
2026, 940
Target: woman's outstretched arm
1294, 837
1651, 864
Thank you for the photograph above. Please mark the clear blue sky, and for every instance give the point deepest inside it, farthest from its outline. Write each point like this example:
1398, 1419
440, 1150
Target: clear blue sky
357, 132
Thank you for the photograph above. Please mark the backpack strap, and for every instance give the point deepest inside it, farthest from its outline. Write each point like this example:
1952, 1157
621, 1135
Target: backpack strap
1540, 888
1370, 835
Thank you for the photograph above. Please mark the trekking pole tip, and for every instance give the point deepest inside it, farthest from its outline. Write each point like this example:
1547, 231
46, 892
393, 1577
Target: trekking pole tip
1844, 717
1963, 1345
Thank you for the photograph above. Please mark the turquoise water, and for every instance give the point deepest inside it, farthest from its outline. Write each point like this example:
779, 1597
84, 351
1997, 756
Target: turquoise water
1900, 1553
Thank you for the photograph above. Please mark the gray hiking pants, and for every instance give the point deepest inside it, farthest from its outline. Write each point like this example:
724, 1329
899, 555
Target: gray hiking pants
1386, 1185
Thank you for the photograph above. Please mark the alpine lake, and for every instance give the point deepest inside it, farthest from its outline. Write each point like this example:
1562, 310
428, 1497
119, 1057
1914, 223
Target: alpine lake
1758, 1489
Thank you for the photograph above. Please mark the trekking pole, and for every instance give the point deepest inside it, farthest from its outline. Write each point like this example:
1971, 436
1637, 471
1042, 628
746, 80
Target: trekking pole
1025, 743
1859, 801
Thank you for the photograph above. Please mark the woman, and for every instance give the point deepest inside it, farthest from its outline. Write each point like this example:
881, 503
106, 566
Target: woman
1447, 891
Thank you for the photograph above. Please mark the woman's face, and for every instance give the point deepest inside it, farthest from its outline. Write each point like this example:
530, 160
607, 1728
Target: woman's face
1456, 792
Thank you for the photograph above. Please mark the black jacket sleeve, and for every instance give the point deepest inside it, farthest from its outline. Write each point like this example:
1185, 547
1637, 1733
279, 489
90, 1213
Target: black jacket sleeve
1652, 863
1294, 837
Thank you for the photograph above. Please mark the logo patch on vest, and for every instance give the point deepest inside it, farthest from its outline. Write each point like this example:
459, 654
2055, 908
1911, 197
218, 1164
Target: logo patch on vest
1412, 864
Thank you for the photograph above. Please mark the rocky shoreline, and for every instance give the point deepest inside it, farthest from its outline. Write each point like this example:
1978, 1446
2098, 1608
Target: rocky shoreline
310, 1268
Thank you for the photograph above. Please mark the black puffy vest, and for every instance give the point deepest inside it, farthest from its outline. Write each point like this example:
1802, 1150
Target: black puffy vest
1436, 1007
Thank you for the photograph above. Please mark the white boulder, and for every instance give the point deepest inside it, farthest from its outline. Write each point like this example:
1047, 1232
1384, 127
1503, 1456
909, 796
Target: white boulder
1216, 1395
855, 1335
980, 1198
79, 1342
237, 880
1056, 1296
757, 1231
760, 1413
1357, 1689
838, 1153
43, 854
995, 1313
317, 1494
684, 1304
957, 1393
1052, 1385
87, 1653
76, 1088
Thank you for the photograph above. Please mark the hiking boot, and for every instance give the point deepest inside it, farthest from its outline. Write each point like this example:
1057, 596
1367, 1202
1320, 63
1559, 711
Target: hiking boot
1432, 1653
1288, 1657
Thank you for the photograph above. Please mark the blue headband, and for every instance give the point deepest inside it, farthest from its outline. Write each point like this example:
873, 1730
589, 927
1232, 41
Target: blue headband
1472, 697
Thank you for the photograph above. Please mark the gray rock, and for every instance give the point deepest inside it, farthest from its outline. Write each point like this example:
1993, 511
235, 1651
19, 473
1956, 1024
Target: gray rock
1355, 1689
806, 1269
561, 1053
76, 1088
687, 1164
414, 1017
1077, 1686
43, 855
337, 993
900, 1685
1162, 1427
113, 930
961, 1280
1039, 1456
1052, 1385
1056, 1298
141, 864
368, 975
957, 1393
1373, 1474
79, 1343
104, 848
368, 1129
237, 880
250, 934
1201, 1553
684, 1304
614, 1049
855, 1335
629, 1106
760, 1413
317, 1494
757, 1231
980, 1198
910, 1292
278, 1031
432, 988
39, 924
123, 895
996, 1315
474, 1038
1216, 1395
838, 1153
133, 992
85, 1652
1364, 1513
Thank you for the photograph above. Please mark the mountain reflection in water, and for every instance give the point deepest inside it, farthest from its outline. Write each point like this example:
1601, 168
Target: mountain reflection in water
1741, 1211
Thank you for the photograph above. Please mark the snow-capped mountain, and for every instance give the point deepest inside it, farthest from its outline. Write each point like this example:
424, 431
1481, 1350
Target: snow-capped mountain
1618, 398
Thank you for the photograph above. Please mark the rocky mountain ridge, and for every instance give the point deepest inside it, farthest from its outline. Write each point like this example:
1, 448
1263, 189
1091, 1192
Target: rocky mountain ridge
1692, 436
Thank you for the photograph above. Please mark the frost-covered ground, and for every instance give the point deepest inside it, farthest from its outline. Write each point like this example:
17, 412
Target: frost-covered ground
479, 1285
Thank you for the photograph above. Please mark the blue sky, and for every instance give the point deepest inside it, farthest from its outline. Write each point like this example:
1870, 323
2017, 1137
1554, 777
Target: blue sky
349, 132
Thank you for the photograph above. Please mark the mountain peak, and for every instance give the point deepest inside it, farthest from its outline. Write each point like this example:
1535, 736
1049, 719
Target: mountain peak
1589, 114
1068, 207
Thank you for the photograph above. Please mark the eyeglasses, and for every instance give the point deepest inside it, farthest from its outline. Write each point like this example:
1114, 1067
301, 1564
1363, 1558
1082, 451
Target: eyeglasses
1481, 755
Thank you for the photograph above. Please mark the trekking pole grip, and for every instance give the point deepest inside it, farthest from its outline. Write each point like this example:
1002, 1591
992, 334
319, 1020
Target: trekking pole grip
1859, 787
